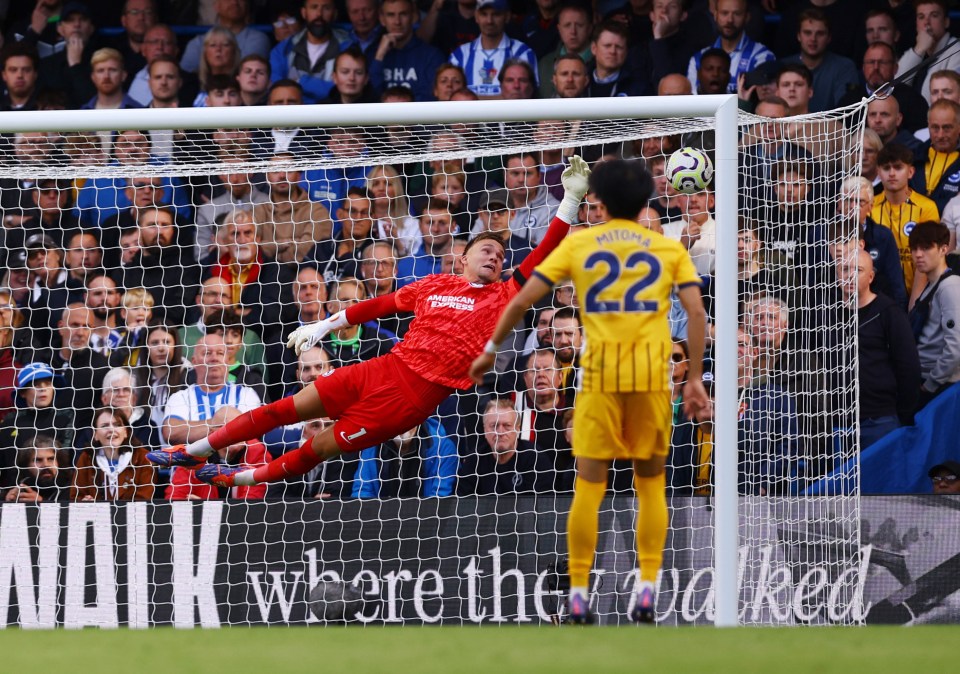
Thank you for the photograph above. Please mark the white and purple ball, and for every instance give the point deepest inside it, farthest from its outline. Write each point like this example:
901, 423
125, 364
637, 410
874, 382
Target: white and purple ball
689, 170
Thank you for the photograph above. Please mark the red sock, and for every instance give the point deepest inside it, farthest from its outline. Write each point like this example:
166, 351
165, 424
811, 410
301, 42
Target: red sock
292, 464
255, 423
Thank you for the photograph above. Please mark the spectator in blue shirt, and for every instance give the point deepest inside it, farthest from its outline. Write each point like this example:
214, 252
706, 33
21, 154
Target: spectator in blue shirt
401, 57
329, 185
308, 56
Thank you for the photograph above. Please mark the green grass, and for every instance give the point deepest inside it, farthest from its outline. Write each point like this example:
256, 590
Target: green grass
490, 650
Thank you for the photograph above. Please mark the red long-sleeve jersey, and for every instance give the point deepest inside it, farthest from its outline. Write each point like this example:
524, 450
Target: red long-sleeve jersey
453, 319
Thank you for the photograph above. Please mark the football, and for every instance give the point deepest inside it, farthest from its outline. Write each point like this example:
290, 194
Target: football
689, 170
335, 601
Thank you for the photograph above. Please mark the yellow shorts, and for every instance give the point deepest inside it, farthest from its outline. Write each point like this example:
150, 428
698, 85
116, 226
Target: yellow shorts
609, 426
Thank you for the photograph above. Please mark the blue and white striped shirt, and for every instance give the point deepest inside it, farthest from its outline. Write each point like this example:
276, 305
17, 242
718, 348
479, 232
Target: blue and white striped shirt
195, 404
483, 66
746, 57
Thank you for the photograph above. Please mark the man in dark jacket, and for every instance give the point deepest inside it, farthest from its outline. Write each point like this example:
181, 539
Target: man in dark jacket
161, 261
81, 367
889, 369
937, 173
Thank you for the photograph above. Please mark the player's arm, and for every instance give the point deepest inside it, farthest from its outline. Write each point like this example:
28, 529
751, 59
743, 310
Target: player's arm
307, 336
576, 182
532, 290
694, 395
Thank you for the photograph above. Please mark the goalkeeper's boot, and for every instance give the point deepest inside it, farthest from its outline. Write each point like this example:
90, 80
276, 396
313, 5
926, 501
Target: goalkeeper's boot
220, 475
176, 456
579, 610
645, 608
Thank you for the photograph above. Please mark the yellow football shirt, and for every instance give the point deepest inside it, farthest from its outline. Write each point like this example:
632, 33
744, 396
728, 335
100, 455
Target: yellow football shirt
900, 220
624, 275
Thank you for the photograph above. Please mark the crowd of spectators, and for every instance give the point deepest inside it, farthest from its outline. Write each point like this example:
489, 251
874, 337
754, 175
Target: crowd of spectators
153, 308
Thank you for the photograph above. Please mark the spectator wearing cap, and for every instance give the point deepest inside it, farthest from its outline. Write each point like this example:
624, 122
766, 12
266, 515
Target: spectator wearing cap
401, 57
832, 74
494, 216
44, 472
484, 58
945, 477
20, 69
69, 69
35, 412
81, 367
234, 16
308, 57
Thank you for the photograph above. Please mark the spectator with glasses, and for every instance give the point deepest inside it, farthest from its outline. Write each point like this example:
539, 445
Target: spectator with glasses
945, 477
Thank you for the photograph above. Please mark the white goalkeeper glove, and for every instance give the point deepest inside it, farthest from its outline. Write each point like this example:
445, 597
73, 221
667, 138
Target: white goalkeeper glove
576, 181
306, 337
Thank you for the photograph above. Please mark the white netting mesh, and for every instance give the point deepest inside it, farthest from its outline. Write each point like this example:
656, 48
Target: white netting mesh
125, 251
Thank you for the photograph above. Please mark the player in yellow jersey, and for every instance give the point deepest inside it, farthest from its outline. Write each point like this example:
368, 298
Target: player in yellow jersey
900, 208
624, 275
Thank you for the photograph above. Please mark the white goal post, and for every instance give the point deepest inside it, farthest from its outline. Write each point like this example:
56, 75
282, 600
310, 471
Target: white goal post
717, 113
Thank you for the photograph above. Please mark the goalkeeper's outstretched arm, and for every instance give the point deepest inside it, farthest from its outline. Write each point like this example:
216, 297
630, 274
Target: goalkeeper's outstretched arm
306, 337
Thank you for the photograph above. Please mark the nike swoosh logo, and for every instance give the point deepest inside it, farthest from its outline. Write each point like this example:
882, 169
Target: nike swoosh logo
354, 436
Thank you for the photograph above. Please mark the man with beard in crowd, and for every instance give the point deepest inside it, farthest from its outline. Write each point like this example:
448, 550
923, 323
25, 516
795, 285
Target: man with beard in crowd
44, 472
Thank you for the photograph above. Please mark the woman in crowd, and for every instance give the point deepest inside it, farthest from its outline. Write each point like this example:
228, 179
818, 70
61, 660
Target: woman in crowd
391, 209
220, 56
448, 79
165, 371
114, 466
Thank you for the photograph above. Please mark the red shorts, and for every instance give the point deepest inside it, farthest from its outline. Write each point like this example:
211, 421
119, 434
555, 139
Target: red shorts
377, 400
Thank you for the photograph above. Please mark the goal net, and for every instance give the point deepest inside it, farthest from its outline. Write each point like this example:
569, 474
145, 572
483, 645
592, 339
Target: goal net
152, 277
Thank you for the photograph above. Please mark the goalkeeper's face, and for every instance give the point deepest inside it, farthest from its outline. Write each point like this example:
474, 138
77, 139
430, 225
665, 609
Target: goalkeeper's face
483, 263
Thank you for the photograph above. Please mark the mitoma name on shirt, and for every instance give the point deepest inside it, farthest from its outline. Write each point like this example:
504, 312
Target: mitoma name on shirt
451, 302
615, 235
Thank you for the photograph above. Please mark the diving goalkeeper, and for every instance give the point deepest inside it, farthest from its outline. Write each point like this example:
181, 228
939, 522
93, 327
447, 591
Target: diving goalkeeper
379, 399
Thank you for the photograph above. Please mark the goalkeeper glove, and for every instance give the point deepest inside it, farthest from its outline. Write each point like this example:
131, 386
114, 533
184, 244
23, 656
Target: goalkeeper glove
306, 337
576, 181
